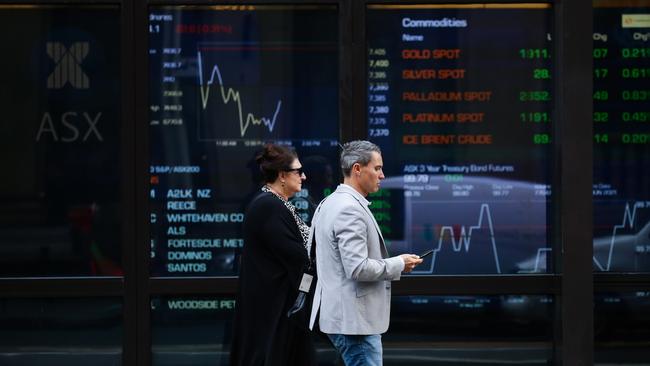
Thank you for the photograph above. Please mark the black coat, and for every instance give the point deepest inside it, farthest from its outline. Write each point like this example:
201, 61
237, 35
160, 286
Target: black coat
272, 263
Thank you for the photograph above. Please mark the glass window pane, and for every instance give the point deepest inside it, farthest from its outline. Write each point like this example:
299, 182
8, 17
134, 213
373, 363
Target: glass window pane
198, 331
622, 328
470, 330
621, 191
464, 123
61, 145
424, 330
71, 332
224, 80
191, 330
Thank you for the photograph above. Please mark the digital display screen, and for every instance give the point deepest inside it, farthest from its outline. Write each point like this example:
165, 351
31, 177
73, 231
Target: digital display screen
60, 96
460, 102
621, 327
621, 100
224, 80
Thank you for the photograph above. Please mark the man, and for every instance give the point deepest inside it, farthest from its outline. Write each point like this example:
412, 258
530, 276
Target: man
354, 271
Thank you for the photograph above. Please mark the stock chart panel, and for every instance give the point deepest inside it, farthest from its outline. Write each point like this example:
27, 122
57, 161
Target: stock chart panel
621, 100
460, 102
224, 80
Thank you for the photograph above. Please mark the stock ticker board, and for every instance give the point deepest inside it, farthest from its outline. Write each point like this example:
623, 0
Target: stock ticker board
621, 102
224, 80
460, 101
459, 98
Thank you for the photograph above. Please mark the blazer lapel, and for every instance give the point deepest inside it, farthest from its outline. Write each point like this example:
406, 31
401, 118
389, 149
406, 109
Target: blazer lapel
382, 244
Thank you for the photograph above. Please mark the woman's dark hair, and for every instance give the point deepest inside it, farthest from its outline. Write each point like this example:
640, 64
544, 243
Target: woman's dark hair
273, 159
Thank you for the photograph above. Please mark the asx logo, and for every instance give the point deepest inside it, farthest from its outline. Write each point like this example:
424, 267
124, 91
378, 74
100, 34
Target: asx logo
68, 126
68, 65
69, 130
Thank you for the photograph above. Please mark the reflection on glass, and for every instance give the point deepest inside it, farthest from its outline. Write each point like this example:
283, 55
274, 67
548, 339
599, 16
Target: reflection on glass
198, 331
60, 196
191, 331
464, 123
223, 81
622, 328
424, 330
71, 332
470, 330
621, 99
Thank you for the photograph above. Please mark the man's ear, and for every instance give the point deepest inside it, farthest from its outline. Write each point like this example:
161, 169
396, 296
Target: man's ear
356, 168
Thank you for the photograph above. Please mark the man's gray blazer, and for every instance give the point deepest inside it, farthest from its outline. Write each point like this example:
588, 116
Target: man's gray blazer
354, 273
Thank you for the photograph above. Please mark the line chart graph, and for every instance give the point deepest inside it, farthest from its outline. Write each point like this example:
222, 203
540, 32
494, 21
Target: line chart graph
480, 234
538, 259
625, 244
229, 95
538, 264
464, 239
221, 83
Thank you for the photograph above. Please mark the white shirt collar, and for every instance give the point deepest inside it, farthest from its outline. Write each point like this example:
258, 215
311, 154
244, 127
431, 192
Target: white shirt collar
348, 188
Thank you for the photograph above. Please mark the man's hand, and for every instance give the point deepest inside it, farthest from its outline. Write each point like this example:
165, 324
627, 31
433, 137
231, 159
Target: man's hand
410, 261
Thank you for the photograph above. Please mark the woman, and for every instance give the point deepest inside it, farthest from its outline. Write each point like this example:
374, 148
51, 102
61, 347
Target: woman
274, 259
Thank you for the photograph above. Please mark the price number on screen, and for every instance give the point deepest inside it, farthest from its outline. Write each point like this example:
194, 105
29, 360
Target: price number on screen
601, 95
378, 63
376, 51
534, 96
635, 95
635, 138
635, 116
600, 53
378, 109
601, 116
601, 138
541, 139
601, 73
534, 117
378, 132
541, 74
534, 53
635, 52
635, 73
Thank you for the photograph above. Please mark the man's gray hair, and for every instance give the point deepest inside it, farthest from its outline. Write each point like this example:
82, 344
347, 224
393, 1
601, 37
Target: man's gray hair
358, 151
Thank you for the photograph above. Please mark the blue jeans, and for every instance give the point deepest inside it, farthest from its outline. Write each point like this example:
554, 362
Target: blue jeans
358, 350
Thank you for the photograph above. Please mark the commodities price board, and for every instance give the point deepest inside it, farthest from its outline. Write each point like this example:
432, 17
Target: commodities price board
621, 100
224, 80
460, 102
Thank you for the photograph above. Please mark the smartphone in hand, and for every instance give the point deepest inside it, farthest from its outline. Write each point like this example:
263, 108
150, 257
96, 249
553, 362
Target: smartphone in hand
428, 252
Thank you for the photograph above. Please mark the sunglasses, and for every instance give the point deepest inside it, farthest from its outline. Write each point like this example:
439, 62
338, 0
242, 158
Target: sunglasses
300, 171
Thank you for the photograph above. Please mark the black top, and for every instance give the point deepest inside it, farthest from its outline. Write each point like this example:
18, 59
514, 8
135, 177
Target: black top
272, 263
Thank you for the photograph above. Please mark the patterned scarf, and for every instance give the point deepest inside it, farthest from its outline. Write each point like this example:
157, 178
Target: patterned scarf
302, 227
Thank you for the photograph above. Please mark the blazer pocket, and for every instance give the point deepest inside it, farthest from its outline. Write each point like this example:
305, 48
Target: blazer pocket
363, 289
